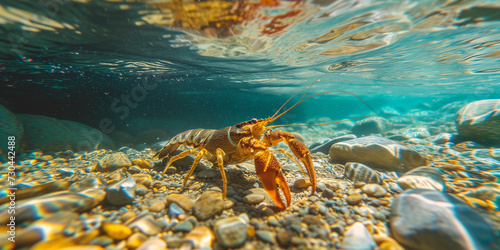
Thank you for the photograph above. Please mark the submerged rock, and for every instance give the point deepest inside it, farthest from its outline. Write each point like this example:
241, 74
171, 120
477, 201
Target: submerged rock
428, 219
377, 152
357, 238
46, 205
480, 121
422, 177
52, 135
324, 146
359, 172
10, 125
231, 232
372, 125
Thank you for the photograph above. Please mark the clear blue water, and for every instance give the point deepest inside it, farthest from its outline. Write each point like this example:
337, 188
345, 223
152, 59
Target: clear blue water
74, 59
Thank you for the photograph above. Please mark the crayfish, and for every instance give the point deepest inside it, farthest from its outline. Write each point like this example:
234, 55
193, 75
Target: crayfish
245, 141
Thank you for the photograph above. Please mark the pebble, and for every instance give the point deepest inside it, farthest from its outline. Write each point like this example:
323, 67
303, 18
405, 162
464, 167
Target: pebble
207, 173
284, 238
174, 211
116, 231
145, 223
181, 200
371, 125
38, 207
153, 244
102, 240
157, 205
358, 172
142, 163
209, 204
358, 237
183, 226
111, 162
253, 198
266, 236
422, 177
324, 146
200, 237
231, 232
302, 183
374, 190
44, 229
135, 240
328, 193
354, 199
121, 193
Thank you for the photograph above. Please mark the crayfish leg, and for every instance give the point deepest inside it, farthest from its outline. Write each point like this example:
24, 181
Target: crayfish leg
195, 163
220, 161
180, 156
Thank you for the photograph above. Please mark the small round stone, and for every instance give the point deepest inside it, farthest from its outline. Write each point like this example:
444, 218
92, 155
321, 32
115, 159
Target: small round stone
253, 198
354, 199
374, 190
266, 236
231, 232
181, 200
157, 206
302, 183
135, 240
116, 231
328, 193
208, 205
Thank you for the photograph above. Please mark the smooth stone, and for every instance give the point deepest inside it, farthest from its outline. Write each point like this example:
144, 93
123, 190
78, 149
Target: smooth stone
422, 177
284, 238
358, 237
87, 183
207, 173
112, 162
302, 183
231, 232
157, 205
377, 152
121, 193
480, 121
102, 240
371, 125
324, 146
141, 163
153, 244
328, 193
146, 224
200, 237
174, 211
354, 199
253, 198
183, 226
135, 240
10, 126
420, 133
116, 231
374, 190
62, 201
266, 236
53, 135
181, 200
141, 190
37, 190
44, 229
209, 204
358, 172
429, 219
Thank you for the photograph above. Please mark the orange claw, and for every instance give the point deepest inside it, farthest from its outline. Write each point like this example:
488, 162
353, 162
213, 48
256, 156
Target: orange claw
299, 149
269, 172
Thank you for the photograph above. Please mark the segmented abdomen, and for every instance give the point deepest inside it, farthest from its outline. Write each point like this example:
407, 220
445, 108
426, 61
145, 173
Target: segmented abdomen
193, 138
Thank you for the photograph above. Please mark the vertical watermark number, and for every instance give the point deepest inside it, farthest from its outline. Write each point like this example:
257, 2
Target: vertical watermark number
11, 179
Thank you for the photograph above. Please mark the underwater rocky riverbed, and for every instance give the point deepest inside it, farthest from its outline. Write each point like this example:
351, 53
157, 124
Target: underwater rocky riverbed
418, 180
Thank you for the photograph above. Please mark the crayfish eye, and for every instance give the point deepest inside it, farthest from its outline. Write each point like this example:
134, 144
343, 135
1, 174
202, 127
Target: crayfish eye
254, 120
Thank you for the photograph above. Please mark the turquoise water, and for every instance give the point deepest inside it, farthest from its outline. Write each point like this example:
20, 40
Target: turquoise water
86, 55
